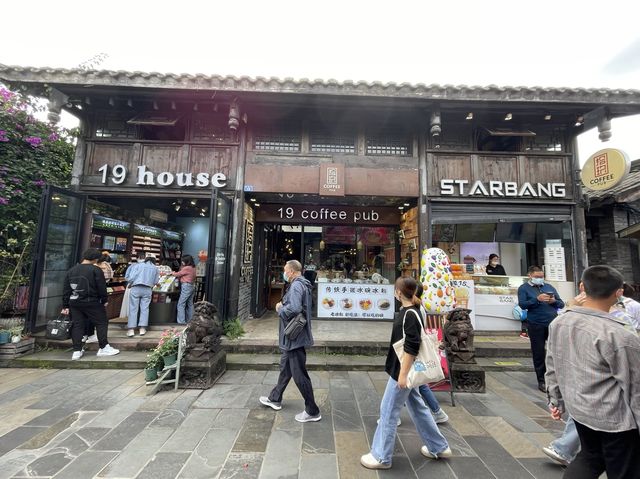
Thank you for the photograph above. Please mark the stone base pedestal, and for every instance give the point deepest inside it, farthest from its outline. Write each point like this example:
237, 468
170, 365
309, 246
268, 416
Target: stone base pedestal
202, 372
468, 378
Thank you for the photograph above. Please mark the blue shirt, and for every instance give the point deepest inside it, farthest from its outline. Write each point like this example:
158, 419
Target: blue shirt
142, 274
539, 312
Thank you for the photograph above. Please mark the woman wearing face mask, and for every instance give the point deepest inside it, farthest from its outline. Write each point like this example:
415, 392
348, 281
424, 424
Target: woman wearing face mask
494, 267
397, 392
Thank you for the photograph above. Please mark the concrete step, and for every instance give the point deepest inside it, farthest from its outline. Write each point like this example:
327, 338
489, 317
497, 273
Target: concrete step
61, 359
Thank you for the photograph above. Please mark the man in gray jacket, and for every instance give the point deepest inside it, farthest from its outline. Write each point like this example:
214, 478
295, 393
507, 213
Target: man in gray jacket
294, 357
595, 377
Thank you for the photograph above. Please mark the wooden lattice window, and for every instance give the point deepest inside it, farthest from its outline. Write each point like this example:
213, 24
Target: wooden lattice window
452, 138
278, 137
392, 142
112, 125
550, 140
210, 129
342, 140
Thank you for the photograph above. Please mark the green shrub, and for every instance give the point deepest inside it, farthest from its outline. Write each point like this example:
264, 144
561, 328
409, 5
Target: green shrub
233, 329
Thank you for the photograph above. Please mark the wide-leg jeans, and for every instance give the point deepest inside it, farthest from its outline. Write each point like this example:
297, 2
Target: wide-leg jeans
185, 303
392, 401
139, 299
568, 445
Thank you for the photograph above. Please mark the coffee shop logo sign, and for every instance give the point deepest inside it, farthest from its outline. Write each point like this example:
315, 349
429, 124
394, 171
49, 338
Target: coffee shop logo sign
146, 177
502, 188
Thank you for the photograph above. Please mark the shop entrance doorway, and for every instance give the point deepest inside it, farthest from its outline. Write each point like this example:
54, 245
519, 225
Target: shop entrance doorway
167, 228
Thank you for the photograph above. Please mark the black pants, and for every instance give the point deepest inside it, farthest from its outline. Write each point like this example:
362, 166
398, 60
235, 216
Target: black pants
293, 364
90, 314
617, 453
538, 335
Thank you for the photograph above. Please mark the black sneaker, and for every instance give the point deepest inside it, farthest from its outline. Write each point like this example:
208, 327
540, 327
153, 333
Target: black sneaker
542, 386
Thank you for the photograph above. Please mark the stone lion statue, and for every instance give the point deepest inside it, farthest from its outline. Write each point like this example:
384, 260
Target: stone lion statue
204, 330
458, 336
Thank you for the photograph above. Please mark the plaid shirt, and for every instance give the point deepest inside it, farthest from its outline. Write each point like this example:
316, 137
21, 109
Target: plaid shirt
593, 369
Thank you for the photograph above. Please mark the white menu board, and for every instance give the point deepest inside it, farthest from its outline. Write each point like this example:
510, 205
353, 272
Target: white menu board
355, 301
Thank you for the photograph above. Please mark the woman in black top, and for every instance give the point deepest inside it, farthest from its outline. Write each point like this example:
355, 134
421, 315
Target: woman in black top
397, 392
494, 267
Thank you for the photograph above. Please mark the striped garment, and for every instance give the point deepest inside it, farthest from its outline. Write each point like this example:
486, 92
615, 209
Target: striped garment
593, 369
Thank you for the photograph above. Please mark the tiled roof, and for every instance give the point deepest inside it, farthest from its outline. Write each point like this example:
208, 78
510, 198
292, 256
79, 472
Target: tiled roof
626, 191
60, 76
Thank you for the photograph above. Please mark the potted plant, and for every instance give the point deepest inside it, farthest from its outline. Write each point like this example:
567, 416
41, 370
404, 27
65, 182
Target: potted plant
151, 369
5, 336
168, 346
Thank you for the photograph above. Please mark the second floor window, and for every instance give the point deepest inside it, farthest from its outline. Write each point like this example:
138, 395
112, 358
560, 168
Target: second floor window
392, 142
341, 140
278, 138
110, 125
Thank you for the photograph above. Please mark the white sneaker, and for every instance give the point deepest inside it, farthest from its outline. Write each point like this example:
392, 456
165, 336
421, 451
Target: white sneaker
431, 455
305, 417
272, 404
92, 339
143, 331
555, 455
399, 421
107, 351
131, 333
84, 338
440, 416
76, 355
371, 462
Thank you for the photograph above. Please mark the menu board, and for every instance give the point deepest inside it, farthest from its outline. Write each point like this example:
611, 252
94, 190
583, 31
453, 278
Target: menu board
465, 296
104, 223
145, 230
355, 301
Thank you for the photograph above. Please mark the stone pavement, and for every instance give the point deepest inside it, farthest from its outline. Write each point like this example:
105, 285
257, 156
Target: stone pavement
80, 424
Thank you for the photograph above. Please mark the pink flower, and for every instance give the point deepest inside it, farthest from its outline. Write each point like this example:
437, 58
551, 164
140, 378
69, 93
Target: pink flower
3, 201
39, 183
34, 141
53, 137
3, 136
6, 94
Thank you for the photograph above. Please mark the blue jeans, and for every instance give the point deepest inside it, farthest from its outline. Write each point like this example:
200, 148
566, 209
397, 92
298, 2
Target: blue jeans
140, 297
185, 303
392, 401
429, 398
568, 445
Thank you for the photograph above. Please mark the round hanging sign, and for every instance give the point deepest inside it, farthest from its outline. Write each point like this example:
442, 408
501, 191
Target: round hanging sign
605, 169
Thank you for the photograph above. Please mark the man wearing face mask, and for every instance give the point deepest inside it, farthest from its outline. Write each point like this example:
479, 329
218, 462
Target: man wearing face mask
293, 360
494, 267
542, 302
596, 379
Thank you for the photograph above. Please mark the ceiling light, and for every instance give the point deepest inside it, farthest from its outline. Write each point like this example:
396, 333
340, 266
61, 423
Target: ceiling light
406, 204
257, 204
547, 116
508, 117
193, 202
253, 199
579, 120
400, 207
177, 207
470, 116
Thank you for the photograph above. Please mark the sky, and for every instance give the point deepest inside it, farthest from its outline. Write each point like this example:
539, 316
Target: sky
564, 43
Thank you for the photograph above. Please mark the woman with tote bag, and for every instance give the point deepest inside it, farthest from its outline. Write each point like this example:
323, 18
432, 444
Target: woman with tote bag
397, 392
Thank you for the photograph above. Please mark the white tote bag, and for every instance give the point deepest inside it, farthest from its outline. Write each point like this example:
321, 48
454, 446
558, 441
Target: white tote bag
426, 368
124, 309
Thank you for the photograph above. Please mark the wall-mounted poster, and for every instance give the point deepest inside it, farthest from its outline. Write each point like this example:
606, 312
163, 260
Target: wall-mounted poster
248, 241
109, 242
121, 244
355, 301
96, 241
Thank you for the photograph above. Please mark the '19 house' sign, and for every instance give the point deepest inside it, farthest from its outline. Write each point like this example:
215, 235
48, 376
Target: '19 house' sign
146, 177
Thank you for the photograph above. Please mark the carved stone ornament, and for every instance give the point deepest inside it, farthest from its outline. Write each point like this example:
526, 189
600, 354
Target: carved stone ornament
458, 337
204, 360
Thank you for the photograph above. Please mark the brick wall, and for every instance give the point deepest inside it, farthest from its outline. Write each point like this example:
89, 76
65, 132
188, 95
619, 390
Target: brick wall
246, 277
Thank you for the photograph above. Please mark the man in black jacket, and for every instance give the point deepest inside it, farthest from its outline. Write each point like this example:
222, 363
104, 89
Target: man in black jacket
294, 357
84, 296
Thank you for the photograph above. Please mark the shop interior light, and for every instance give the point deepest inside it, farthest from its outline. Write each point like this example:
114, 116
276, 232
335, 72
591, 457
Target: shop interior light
256, 204
508, 116
470, 116
400, 207
193, 202
253, 199
177, 207
322, 245
579, 120
547, 116
406, 204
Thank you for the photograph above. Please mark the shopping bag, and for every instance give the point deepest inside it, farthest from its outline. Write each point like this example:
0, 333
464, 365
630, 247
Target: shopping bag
59, 328
124, 309
426, 368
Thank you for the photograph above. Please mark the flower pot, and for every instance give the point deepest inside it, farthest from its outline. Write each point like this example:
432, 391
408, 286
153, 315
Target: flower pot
150, 374
170, 359
5, 337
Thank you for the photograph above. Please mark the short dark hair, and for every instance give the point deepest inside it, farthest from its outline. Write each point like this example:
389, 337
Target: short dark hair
91, 254
628, 291
419, 290
534, 269
601, 281
187, 260
493, 255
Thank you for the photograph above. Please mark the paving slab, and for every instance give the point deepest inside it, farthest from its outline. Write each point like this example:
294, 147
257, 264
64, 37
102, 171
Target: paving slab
318, 466
86, 465
282, 455
210, 454
125, 432
164, 465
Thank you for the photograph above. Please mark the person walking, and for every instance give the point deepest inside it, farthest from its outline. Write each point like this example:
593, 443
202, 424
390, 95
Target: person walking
542, 302
293, 360
595, 378
141, 278
84, 297
187, 276
564, 449
398, 393
103, 263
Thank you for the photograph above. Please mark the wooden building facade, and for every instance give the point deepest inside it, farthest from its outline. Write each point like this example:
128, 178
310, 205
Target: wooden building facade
280, 168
